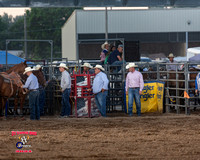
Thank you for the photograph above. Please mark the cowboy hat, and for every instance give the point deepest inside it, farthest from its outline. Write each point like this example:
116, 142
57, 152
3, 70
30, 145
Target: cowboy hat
127, 66
28, 69
63, 65
171, 55
103, 45
99, 67
37, 67
87, 65
131, 65
197, 67
34, 68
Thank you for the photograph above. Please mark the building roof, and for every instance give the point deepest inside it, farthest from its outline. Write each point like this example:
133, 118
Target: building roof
138, 21
99, 3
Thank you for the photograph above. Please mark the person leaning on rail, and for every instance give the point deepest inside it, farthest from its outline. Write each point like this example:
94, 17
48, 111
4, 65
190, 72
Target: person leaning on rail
100, 89
115, 58
87, 68
134, 87
66, 89
104, 52
33, 86
171, 66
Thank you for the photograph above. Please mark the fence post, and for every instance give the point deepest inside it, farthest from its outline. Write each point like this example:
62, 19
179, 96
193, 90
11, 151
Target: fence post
187, 109
158, 73
177, 91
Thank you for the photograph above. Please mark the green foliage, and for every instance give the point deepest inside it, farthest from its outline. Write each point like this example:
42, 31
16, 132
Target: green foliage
4, 24
45, 24
42, 24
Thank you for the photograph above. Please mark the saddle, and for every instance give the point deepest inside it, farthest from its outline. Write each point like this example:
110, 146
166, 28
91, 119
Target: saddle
12, 78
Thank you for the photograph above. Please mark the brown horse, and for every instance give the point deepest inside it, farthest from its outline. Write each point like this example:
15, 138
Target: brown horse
42, 82
193, 77
40, 76
9, 87
147, 75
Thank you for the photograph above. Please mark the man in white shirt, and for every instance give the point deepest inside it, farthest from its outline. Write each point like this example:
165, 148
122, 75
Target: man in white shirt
172, 66
66, 89
134, 87
100, 89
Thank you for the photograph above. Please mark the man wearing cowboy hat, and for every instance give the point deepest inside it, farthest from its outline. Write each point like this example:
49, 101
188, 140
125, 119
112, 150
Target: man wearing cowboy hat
33, 86
87, 68
172, 67
100, 89
105, 48
41, 91
66, 89
134, 87
38, 67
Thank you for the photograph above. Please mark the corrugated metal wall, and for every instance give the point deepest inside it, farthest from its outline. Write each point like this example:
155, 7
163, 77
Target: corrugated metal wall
156, 30
142, 21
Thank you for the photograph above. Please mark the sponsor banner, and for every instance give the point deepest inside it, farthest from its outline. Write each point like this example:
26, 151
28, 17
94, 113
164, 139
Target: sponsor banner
151, 98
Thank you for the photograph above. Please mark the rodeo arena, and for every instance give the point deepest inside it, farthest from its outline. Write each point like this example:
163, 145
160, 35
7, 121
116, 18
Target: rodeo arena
126, 86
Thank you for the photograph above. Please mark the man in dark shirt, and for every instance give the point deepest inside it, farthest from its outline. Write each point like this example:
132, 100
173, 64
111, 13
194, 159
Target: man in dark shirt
116, 55
115, 58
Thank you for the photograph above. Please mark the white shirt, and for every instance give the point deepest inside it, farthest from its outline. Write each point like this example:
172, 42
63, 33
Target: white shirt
100, 81
65, 80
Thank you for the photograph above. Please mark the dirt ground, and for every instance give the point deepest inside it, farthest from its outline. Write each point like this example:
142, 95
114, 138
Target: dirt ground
152, 136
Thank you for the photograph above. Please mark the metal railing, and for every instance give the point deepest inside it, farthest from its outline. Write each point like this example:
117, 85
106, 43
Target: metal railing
174, 86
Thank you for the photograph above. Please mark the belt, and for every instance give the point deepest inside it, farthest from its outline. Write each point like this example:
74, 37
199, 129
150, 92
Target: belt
99, 92
134, 87
31, 90
67, 89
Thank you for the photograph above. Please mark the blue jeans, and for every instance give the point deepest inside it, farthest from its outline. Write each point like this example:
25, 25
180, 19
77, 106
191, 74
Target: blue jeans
118, 63
34, 105
42, 100
133, 94
100, 100
66, 107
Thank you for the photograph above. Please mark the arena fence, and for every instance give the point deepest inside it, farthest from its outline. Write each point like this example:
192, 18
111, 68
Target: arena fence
179, 85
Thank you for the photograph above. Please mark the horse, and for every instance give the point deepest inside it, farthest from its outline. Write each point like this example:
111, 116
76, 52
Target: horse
7, 86
40, 76
42, 82
19, 68
149, 74
193, 76
10, 87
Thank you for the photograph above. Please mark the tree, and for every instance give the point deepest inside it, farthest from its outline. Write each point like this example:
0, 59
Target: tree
45, 24
11, 28
4, 25
16, 31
